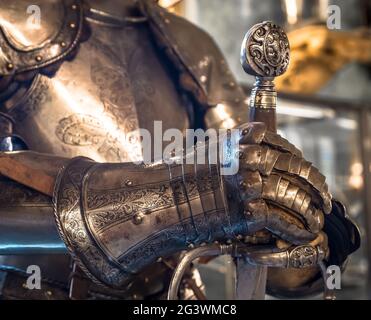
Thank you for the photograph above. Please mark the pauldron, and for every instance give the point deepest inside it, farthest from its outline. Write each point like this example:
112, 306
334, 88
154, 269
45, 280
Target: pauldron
59, 36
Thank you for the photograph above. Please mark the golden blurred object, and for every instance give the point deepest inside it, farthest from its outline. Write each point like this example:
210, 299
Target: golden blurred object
317, 53
174, 6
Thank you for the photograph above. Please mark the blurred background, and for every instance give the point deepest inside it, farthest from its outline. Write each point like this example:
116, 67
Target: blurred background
324, 104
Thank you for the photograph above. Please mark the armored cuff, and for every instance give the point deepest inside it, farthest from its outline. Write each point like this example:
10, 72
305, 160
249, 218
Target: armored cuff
118, 218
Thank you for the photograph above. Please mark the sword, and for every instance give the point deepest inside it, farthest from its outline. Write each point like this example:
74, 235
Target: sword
265, 54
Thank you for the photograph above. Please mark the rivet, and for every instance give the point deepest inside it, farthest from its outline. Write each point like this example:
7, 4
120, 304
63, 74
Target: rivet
138, 219
203, 79
49, 293
38, 58
74, 7
72, 25
10, 66
245, 132
232, 84
191, 246
128, 183
159, 259
63, 44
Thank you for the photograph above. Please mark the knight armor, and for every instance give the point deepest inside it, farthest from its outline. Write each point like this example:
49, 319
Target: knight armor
75, 84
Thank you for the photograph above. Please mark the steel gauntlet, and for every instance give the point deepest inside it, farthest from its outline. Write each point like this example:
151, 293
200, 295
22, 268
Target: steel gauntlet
118, 218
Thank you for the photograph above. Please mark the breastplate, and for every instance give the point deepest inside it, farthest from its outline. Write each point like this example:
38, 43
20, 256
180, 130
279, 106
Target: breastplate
93, 105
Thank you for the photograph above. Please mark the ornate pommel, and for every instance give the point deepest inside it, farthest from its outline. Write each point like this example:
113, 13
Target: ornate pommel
265, 51
265, 54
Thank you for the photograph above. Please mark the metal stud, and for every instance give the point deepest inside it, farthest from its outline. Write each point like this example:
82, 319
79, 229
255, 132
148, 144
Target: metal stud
203, 79
128, 183
74, 7
38, 58
245, 132
72, 25
138, 219
10, 66
63, 44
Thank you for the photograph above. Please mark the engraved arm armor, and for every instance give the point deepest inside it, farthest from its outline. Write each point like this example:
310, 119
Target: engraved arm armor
118, 218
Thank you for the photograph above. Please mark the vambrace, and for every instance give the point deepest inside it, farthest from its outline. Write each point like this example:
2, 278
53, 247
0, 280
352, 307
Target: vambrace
118, 218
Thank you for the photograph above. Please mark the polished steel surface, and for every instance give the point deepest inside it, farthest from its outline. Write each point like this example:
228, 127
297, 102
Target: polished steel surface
26, 225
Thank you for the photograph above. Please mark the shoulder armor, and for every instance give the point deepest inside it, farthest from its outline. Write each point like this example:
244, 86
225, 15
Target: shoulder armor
196, 54
35, 36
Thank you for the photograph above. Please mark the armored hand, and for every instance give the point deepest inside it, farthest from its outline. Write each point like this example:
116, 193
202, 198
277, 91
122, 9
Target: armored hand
281, 190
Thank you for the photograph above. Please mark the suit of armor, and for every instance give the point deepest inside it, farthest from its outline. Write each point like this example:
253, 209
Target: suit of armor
74, 86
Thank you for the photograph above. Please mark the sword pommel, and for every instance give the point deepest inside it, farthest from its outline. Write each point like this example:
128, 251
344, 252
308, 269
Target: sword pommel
265, 54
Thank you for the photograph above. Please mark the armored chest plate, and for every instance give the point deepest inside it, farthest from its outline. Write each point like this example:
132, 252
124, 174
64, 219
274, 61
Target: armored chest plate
94, 105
